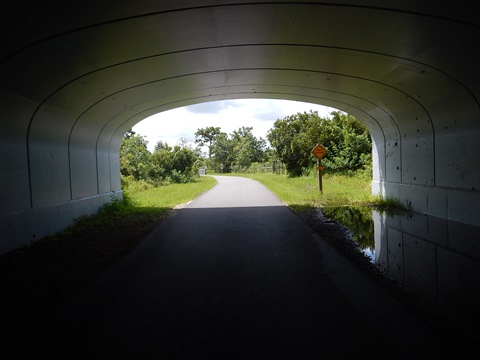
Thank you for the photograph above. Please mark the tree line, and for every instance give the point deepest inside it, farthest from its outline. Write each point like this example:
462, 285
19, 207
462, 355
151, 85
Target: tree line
290, 141
347, 141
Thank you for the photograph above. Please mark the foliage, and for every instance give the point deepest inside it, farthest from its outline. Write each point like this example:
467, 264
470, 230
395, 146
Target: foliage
172, 195
246, 147
178, 164
349, 145
135, 159
223, 155
292, 139
130, 184
207, 137
237, 150
175, 165
275, 167
346, 140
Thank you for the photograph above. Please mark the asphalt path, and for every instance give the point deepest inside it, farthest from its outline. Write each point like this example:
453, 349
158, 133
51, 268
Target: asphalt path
236, 275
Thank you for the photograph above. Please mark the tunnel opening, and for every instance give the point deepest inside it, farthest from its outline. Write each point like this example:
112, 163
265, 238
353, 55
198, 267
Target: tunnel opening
236, 136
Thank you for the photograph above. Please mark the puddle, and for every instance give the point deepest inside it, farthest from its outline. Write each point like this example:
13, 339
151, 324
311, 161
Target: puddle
358, 223
437, 259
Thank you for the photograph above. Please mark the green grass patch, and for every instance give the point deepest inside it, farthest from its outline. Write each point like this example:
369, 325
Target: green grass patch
338, 190
169, 196
300, 193
140, 207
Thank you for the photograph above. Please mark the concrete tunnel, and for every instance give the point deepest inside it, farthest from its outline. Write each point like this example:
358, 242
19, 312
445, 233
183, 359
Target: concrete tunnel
75, 76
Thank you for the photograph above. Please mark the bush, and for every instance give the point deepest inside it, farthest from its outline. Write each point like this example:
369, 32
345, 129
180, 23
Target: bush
129, 184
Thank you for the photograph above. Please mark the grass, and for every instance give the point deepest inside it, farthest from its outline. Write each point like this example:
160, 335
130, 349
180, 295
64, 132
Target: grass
172, 195
141, 207
302, 193
338, 190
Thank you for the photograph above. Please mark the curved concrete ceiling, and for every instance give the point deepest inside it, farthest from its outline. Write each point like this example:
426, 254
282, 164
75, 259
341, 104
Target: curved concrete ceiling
123, 58
75, 77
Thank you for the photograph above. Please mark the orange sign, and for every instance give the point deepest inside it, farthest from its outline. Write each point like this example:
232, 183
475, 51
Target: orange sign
319, 151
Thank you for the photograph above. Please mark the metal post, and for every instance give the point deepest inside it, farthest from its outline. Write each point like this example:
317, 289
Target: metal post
319, 167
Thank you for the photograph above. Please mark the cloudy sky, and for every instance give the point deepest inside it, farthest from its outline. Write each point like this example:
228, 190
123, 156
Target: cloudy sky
229, 115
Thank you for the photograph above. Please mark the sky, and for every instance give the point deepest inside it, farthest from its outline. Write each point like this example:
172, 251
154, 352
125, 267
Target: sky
260, 114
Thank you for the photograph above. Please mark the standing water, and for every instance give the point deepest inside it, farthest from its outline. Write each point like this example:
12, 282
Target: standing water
436, 259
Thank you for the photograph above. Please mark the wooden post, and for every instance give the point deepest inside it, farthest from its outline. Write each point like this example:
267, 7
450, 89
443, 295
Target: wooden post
319, 167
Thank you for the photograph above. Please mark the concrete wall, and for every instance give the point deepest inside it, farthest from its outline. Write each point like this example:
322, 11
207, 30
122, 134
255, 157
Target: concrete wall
40, 193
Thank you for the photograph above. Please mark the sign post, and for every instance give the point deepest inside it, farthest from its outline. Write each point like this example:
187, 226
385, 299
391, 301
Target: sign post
319, 151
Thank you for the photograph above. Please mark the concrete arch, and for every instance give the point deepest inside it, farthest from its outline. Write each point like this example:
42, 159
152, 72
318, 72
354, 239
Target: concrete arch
74, 80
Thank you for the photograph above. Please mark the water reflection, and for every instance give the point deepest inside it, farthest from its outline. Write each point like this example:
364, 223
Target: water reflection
437, 259
359, 225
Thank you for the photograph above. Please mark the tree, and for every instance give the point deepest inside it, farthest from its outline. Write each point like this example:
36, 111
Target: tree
347, 141
135, 159
293, 139
160, 145
350, 144
223, 152
207, 137
247, 148
178, 164
238, 149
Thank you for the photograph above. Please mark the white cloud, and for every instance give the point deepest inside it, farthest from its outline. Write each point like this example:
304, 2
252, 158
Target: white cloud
260, 114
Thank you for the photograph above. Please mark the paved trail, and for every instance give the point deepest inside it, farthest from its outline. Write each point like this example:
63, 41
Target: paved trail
235, 274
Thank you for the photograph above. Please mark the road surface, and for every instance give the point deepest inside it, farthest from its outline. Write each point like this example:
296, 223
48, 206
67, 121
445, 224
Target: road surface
236, 275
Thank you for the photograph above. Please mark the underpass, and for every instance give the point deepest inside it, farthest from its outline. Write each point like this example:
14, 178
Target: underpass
73, 82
